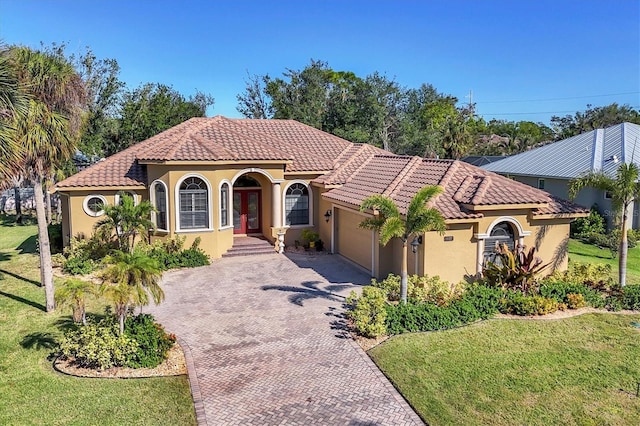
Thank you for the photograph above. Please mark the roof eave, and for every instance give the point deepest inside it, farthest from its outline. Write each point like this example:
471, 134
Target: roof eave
521, 206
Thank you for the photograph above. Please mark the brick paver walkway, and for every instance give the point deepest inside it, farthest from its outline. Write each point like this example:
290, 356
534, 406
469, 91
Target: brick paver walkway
266, 339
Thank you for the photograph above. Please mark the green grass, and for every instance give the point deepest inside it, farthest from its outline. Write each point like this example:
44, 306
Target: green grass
578, 371
587, 253
32, 392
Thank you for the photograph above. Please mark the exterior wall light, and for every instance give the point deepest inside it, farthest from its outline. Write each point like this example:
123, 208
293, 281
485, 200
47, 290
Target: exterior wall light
327, 216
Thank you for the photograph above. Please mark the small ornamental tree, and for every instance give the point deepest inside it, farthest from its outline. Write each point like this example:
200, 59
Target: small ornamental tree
390, 223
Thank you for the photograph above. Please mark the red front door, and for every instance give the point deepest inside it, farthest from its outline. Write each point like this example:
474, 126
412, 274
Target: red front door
246, 211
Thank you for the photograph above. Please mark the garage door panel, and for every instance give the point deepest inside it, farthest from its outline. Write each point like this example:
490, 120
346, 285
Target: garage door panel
354, 243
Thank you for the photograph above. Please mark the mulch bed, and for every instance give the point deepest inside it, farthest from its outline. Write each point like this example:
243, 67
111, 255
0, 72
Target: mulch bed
174, 365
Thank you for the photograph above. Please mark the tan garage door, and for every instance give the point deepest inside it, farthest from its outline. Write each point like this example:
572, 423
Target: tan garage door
353, 242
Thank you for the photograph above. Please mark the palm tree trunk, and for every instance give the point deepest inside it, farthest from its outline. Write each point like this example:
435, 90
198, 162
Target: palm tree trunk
47, 200
403, 272
622, 265
46, 269
18, 203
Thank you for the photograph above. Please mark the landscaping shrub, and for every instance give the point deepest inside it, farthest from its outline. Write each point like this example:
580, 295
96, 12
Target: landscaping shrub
575, 301
421, 288
368, 311
153, 343
514, 270
595, 276
98, 345
516, 303
170, 253
559, 291
478, 302
592, 224
631, 297
78, 266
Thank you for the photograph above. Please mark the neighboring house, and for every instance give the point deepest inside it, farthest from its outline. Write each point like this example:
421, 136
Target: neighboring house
552, 166
481, 160
216, 178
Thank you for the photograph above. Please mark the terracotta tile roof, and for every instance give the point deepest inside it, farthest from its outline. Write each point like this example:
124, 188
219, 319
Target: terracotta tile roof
350, 161
465, 187
300, 147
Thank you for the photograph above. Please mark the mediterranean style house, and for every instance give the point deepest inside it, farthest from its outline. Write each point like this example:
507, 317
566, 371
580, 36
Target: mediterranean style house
219, 178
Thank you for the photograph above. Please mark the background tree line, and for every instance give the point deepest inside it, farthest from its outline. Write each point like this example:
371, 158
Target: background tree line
416, 121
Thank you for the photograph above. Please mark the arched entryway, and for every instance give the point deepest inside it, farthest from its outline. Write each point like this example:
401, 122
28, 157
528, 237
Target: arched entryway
247, 205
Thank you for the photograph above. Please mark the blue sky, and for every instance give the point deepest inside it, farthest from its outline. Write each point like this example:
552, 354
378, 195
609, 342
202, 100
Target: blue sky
523, 60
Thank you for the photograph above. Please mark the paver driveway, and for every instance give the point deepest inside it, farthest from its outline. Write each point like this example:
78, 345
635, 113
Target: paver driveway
266, 339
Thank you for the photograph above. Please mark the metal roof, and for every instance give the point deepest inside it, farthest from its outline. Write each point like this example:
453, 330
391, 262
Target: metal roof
594, 151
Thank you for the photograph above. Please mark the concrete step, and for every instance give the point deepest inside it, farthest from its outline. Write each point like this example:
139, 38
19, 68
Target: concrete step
248, 246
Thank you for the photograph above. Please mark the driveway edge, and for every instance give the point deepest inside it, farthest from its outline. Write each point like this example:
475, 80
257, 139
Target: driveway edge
384, 380
194, 384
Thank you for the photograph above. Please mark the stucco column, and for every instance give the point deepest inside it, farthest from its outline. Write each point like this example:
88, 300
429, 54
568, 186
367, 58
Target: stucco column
480, 255
276, 205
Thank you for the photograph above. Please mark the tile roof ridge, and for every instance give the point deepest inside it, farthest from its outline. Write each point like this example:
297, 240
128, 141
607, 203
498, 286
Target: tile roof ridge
396, 184
448, 175
462, 188
482, 189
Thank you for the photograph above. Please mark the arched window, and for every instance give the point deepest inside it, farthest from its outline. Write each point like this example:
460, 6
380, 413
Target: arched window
160, 203
194, 204
224, 205
502, 233
296, 205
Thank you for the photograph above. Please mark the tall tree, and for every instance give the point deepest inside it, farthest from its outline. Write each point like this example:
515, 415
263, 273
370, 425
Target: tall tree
390, 223
593, 118
624, 190
104, 90
13, 102
151, 109
47, 133
254, 102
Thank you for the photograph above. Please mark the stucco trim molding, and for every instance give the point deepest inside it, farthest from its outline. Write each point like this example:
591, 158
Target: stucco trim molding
514, 222
255, 170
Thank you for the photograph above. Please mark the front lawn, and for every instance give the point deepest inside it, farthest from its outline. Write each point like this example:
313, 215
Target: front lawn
587, 253
582, 370
32, 392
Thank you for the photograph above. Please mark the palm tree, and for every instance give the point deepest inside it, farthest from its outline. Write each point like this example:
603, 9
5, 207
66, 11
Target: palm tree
13, 101
47, 133
624, 190
73, 292
390, 223
129, 280
126, 220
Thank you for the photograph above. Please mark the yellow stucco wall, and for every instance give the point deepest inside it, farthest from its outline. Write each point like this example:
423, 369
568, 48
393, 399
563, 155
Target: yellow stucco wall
451, 260
215, 240
454, 255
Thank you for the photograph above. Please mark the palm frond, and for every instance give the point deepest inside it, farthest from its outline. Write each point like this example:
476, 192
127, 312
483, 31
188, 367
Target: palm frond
393, 227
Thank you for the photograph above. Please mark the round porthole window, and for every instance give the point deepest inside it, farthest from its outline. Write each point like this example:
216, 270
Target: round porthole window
93, 205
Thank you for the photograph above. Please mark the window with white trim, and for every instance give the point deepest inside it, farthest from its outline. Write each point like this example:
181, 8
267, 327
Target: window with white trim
296, 205
193, 204
502, 233
93, 205
224, 205
119, 197
160, 203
